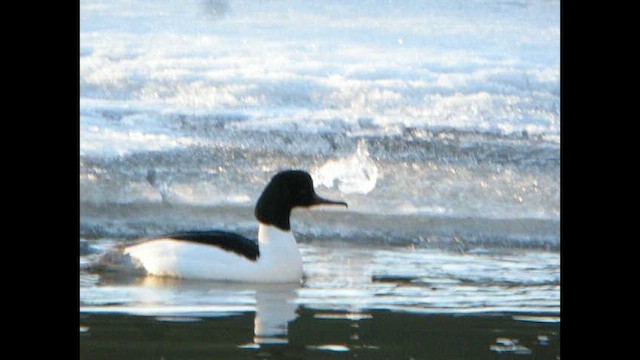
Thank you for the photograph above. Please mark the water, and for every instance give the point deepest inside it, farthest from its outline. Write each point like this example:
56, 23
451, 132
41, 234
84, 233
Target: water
354, 299
320, 335
437, 121
440, 108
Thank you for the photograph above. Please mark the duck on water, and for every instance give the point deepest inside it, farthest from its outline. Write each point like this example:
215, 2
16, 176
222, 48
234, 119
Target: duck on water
221, 255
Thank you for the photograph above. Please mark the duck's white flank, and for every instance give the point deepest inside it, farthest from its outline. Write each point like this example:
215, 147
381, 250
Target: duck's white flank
279, 260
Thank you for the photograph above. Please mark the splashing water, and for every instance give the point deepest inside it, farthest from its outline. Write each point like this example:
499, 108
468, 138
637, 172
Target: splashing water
437, 122
356, 174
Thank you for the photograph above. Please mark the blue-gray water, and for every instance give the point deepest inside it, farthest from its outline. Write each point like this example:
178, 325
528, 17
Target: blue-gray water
437, 121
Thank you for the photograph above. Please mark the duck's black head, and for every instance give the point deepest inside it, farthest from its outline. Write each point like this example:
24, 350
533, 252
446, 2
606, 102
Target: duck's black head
286, 190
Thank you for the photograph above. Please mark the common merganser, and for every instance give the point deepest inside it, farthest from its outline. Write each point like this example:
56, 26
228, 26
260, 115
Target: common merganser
221, 255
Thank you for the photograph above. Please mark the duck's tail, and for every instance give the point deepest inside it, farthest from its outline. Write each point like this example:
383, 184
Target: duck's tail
113, 260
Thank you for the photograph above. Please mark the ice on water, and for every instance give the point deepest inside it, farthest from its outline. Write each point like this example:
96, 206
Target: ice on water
435, 120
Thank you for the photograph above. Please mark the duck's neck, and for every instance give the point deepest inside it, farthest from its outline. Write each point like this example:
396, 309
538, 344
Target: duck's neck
272, 236
277, 244
279, 254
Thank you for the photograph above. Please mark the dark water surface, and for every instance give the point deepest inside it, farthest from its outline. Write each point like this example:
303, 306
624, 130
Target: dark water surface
368, 302
321, 335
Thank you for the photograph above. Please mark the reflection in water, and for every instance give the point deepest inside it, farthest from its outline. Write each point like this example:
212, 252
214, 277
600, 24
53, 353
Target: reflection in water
275, 304
368, 302
275, 308
341, 277
385, 335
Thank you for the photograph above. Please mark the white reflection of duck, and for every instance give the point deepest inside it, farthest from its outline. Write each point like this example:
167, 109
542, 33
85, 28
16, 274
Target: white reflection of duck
275, 304
276, 307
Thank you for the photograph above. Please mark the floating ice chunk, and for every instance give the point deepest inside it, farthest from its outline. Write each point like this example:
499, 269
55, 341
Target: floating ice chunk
540, 319
341, 316
178, 319
329, 347
505, 342
506, 345
356, 174
543, 339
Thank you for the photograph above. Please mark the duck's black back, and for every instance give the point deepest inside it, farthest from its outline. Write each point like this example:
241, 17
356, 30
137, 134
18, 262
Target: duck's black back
225, 240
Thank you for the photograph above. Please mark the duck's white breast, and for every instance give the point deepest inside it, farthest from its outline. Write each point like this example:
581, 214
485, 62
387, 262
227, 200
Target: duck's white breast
279, 254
